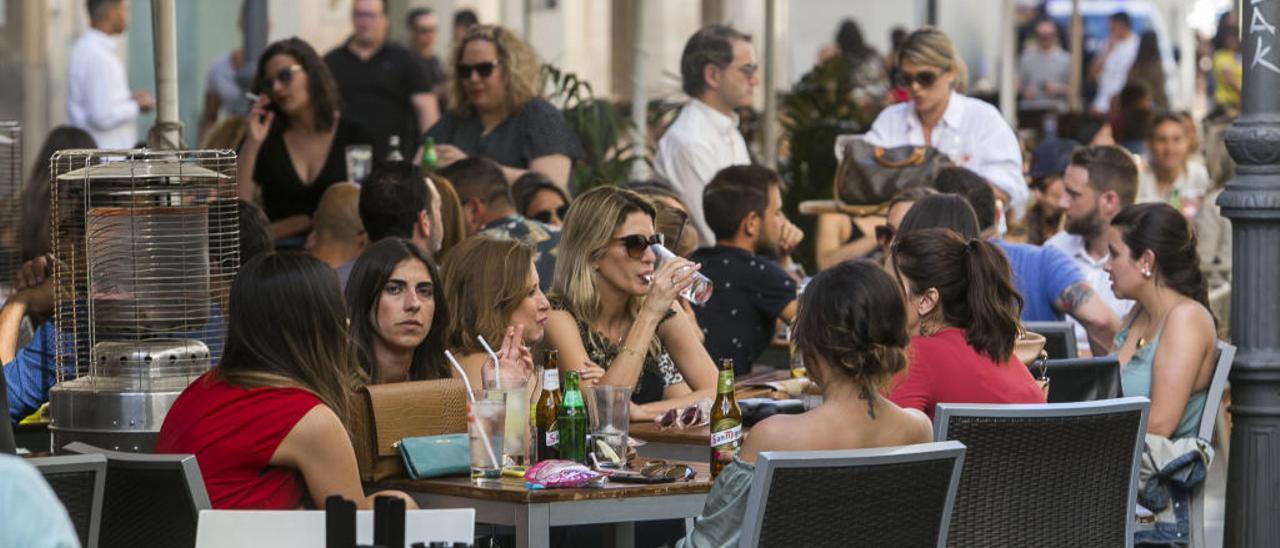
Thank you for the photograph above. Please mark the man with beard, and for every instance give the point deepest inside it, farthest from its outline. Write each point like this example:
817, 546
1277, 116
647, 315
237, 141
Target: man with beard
743, 208
1100, 181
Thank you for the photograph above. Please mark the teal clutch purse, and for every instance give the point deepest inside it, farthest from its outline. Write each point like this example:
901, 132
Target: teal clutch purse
435, 456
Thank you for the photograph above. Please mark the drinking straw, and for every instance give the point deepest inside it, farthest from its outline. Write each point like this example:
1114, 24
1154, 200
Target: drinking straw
497, 369
484, 436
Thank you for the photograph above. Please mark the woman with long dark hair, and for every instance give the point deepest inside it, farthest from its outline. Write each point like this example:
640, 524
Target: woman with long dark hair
1148, 70
398, 313
1167, 347
963, 311
268, 425
297, 140
33, 231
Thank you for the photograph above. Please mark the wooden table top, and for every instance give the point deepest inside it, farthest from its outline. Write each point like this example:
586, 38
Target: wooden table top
701, 435
513, 490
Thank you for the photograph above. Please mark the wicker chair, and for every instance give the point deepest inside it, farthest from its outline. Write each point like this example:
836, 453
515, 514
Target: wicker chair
151, 500
1060, 338
896, 496
78, 481
1082, 379
1045, 475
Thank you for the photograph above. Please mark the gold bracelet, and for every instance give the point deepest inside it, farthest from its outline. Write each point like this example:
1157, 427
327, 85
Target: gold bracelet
624, 349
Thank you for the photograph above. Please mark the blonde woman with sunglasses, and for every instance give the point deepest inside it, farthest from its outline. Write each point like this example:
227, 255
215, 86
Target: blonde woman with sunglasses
938, 114
614, 313
496, 112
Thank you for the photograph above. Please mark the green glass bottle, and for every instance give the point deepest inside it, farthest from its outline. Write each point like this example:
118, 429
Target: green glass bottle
429, 159
572, 421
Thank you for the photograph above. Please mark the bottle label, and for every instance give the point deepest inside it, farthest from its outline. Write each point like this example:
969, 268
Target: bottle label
553, 438
725, 384
550, 379
727, 439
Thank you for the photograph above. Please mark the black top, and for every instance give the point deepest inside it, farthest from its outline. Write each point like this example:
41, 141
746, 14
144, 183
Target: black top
378, 93
535, 131
750, 292
434, 72
283, 192
659, 370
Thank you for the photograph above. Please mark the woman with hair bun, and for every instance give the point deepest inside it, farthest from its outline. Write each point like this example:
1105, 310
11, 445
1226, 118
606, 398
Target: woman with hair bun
963, 313
1167, 347
851, 329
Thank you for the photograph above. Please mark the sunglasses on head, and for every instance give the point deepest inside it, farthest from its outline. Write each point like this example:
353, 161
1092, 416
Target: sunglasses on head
926, 79
485, 69
546, 215
637, 244
284, 76
884, 234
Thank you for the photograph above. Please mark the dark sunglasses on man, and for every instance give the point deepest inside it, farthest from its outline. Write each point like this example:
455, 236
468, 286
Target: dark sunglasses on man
484, 69
926, 79
636, 244
548, 215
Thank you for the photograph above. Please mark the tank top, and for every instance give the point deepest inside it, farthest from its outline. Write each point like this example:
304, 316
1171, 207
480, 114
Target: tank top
1135, 380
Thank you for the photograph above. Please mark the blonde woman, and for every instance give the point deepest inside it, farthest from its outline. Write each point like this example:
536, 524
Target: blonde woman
496, 112
971, 132
613, 310
492, 289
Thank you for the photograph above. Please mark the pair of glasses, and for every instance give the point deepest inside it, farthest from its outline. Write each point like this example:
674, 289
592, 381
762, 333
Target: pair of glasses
926, 79
284, 76
424, 30
684, 222
484, 69
547, 215
637, 244
749, 70
884, 234
663, 469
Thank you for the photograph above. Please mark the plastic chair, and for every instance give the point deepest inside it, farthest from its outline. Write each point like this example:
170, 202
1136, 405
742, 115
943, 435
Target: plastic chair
1208, 422
1046, 475
895, 496
1060, 338
306, 528
150, 500
7, 444
1082, 379
78, 481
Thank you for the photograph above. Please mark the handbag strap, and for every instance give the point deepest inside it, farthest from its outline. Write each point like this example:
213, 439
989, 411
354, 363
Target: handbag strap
916, 158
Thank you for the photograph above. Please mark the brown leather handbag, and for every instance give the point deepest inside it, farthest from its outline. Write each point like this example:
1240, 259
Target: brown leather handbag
387, 413
869, 176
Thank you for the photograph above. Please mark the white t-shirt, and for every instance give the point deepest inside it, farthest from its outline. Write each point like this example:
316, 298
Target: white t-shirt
1193, 183
98, 96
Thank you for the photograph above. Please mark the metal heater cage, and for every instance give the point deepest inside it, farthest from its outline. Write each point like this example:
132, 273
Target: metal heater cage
11, 206
145, 246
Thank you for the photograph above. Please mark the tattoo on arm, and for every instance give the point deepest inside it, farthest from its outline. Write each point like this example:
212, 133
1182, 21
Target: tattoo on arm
1074, 296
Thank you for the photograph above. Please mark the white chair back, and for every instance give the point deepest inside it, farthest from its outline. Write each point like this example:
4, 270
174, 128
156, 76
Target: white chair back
305, 528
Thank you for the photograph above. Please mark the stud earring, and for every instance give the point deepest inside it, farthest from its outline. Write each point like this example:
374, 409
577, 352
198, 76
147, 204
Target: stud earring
1146, 273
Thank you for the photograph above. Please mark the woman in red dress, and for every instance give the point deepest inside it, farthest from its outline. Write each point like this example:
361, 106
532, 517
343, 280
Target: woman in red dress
267, 426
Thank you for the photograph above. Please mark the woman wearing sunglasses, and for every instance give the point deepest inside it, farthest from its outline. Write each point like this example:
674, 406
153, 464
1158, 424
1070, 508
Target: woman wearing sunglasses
612, 307
852, 331
496, 112
297, 140
969, 131
538, 198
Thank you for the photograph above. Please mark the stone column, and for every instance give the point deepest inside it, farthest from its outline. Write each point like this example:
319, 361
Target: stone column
1252, 202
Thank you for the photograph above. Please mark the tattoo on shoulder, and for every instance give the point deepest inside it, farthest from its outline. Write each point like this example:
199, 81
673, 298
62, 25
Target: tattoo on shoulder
1074, 296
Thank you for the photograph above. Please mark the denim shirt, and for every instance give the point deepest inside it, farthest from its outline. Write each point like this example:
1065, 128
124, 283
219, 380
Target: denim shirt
719, 525
1172, 472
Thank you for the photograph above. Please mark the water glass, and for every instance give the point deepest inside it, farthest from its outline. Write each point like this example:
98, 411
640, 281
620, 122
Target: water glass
515, 396
609, 421
698, 293
485, 433
359, 162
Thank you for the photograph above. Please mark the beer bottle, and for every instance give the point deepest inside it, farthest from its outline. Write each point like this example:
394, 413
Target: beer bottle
545, 426
572, 421
429, 158
726, 421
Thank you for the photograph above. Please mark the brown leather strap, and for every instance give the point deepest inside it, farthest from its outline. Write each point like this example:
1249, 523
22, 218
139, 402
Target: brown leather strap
916, 158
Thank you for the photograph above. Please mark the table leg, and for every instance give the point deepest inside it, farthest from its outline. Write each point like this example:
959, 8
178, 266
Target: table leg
624, 534
533, 527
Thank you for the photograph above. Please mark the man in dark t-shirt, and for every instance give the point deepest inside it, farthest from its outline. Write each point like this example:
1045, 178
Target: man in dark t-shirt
743, 208
383, 85
423, 30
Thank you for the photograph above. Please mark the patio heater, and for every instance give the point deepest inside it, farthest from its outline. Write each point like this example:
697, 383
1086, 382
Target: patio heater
10, 203
145, 245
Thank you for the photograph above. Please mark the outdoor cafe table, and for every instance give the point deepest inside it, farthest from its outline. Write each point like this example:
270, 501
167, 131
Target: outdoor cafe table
534, 512
694, 444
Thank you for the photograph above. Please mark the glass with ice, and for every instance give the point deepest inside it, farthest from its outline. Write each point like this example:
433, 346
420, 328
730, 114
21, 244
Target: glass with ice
609, 421
485, 436
700, 291
359, 162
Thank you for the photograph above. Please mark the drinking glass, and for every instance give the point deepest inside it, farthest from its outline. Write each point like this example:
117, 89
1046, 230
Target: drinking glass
698, 293
485, 436
515, 397
609, 421
359, 162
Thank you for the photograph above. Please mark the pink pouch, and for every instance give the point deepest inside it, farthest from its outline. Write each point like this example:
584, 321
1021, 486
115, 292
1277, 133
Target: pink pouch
552, 474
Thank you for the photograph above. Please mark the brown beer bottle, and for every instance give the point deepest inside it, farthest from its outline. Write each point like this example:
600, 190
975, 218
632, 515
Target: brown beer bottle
726, 421
545, 424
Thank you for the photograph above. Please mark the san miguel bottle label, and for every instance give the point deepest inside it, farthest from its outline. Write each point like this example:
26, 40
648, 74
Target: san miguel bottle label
726, 439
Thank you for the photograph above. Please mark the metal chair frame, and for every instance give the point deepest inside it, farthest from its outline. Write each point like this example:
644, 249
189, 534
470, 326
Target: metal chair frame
97, 464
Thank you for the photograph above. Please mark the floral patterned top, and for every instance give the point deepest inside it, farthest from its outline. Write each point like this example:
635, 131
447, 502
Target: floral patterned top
659, 369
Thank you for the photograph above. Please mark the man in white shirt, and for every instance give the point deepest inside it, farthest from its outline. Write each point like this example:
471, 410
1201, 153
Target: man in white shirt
1111, 67
98, 96
718, 71
1100, 181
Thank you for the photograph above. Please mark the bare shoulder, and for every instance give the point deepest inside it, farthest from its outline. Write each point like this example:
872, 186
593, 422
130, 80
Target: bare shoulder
317, 430
1190, 318
919, 428
770, 434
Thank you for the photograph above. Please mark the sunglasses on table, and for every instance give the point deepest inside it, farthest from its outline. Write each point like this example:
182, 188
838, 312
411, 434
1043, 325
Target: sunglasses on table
546, 215
926, 79
637, 244
884, 234
284, 76
484, 69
